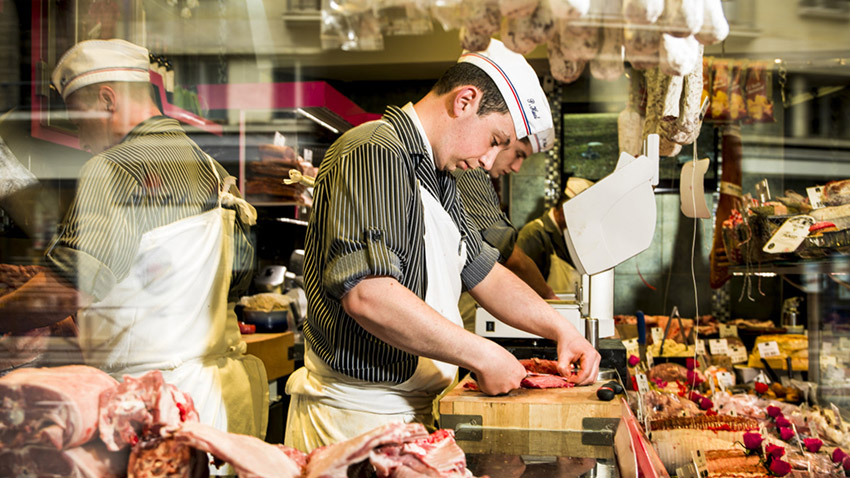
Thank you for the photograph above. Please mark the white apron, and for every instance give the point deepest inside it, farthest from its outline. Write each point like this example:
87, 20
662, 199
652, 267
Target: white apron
170, 313
328, 407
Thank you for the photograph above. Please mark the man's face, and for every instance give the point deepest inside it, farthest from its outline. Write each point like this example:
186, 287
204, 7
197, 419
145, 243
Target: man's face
474, 141
510, 160
92, 118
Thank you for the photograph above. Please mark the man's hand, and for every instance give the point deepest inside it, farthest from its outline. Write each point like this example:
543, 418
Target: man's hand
500, 373
579, 353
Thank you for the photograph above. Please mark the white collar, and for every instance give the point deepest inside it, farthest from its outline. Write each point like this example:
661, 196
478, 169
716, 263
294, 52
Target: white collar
408, 108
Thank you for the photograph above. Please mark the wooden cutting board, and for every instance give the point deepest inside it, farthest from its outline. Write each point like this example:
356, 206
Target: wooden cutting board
566, 412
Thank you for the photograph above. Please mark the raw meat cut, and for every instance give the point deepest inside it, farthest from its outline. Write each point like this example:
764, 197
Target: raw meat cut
54, 406
161, 457
91, 460
249, 456
332, 461
543, 380
137, 405
536, 365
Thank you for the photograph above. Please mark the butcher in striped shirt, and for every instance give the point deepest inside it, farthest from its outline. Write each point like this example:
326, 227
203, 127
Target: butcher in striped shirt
145, 254
389, 247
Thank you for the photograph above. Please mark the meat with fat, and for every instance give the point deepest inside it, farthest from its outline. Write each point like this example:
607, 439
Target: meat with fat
139, 404
53, 406
332, 461
91, 460
165, 457
249, 456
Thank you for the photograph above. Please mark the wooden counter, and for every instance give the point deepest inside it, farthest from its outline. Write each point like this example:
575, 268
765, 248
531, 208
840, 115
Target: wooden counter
572, 418
275, 350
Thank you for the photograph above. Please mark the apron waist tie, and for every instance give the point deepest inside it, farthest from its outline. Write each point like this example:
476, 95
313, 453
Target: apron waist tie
232, 352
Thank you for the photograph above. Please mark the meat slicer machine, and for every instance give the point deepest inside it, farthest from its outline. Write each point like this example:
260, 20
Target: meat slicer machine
607, 223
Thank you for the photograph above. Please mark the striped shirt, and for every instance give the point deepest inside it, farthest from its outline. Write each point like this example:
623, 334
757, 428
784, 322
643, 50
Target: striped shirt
481, 204
367, 221
155, 176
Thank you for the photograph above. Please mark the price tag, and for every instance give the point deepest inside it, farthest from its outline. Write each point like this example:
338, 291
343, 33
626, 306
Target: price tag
657, 334
308, 155
711, 385
632, 347
700, 347
769, 349
699, 462
815, 194
643, 383
726, 379
790, 235
737, 353
718, 346
827, 361
279, 139
728, 330
650, 360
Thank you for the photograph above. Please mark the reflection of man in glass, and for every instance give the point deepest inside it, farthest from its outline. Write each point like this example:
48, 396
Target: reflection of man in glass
145, 254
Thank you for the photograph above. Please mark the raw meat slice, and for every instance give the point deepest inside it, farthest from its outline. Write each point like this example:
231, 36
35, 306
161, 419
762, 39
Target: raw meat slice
91, 460
543, 380
249, 456
55, 406
332, 461
137, 405
536, 365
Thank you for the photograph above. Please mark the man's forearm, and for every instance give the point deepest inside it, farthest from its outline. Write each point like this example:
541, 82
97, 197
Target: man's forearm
43, 300
394, 314
524, 268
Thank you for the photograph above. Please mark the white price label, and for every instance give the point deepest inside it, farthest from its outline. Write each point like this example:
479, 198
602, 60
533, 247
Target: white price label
700, 462
790, 235
657, 334
718, 346
737, 353
642, 383
308, 155
650, 360
632, 347
815, 194
700, 347
726, 379
769, 349
728, 330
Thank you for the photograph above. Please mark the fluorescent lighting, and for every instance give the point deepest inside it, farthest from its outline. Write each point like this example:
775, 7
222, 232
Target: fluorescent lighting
317, 120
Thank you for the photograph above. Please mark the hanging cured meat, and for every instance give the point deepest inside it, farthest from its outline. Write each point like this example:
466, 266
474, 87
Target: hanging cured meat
730, 187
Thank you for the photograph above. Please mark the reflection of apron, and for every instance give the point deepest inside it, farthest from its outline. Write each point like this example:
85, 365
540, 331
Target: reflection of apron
563, 278
170, 313
328, 407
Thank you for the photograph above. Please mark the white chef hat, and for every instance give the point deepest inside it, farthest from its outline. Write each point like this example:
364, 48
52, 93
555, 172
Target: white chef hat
521, 90
97, 61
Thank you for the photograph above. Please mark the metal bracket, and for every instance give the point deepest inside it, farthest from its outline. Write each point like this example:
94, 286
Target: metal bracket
598, 431
466, 427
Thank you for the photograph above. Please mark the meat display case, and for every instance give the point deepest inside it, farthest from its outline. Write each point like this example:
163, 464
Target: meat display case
826, 284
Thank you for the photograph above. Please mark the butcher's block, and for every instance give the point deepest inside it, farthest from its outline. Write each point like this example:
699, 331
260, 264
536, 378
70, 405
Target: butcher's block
574, 414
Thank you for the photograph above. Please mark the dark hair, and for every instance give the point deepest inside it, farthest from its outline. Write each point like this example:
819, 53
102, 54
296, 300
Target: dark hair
462, 74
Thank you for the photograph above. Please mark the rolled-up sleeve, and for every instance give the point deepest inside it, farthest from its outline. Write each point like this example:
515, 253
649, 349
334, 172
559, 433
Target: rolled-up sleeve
99, 237
369, 193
